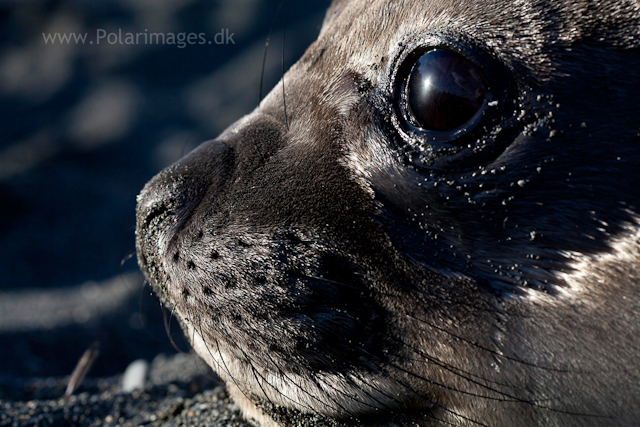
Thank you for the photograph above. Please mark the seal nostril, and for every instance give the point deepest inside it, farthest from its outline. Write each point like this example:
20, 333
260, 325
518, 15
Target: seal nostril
181, 187
215, 255
191, 265
155, 213
176, 257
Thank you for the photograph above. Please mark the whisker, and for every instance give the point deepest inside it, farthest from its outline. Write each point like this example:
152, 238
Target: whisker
266, 48
126, 258
145, 283
409, 388
301, 388
475, 344
454, 369
465, 375
284, 98
167, 328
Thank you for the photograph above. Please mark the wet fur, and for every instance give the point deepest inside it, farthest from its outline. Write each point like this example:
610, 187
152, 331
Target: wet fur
320, 270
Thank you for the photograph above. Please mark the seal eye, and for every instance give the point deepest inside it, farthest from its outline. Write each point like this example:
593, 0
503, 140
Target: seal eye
443, 91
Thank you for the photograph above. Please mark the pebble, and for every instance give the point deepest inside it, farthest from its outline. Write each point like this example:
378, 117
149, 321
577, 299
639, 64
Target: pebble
135, 376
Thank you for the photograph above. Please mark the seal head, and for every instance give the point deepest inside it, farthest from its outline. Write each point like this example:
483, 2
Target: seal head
440, 228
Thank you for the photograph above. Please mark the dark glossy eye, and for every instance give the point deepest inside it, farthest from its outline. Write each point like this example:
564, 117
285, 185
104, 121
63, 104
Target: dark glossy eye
443, 91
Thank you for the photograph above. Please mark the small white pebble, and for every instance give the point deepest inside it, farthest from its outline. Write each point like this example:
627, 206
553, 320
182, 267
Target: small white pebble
135, 375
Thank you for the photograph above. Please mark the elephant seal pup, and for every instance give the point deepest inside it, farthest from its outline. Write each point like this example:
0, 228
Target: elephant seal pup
442, 229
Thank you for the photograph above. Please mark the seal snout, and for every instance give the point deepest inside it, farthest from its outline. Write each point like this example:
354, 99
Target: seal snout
169, 199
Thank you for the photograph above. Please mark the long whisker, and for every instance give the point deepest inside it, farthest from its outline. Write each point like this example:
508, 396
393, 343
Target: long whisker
167, 328
284, 38
421, 396
266, 48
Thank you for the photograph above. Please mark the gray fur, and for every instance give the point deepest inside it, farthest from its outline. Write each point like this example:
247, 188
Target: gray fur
323, 264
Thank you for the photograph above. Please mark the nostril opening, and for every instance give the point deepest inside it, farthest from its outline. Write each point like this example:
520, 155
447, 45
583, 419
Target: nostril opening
176, 257
215, 255
155, 213
191, 265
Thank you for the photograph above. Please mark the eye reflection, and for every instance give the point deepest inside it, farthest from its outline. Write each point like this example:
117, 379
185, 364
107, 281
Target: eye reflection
426, 87
443, 91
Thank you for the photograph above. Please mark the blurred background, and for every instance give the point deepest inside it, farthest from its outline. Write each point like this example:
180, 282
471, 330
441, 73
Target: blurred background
84, 123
